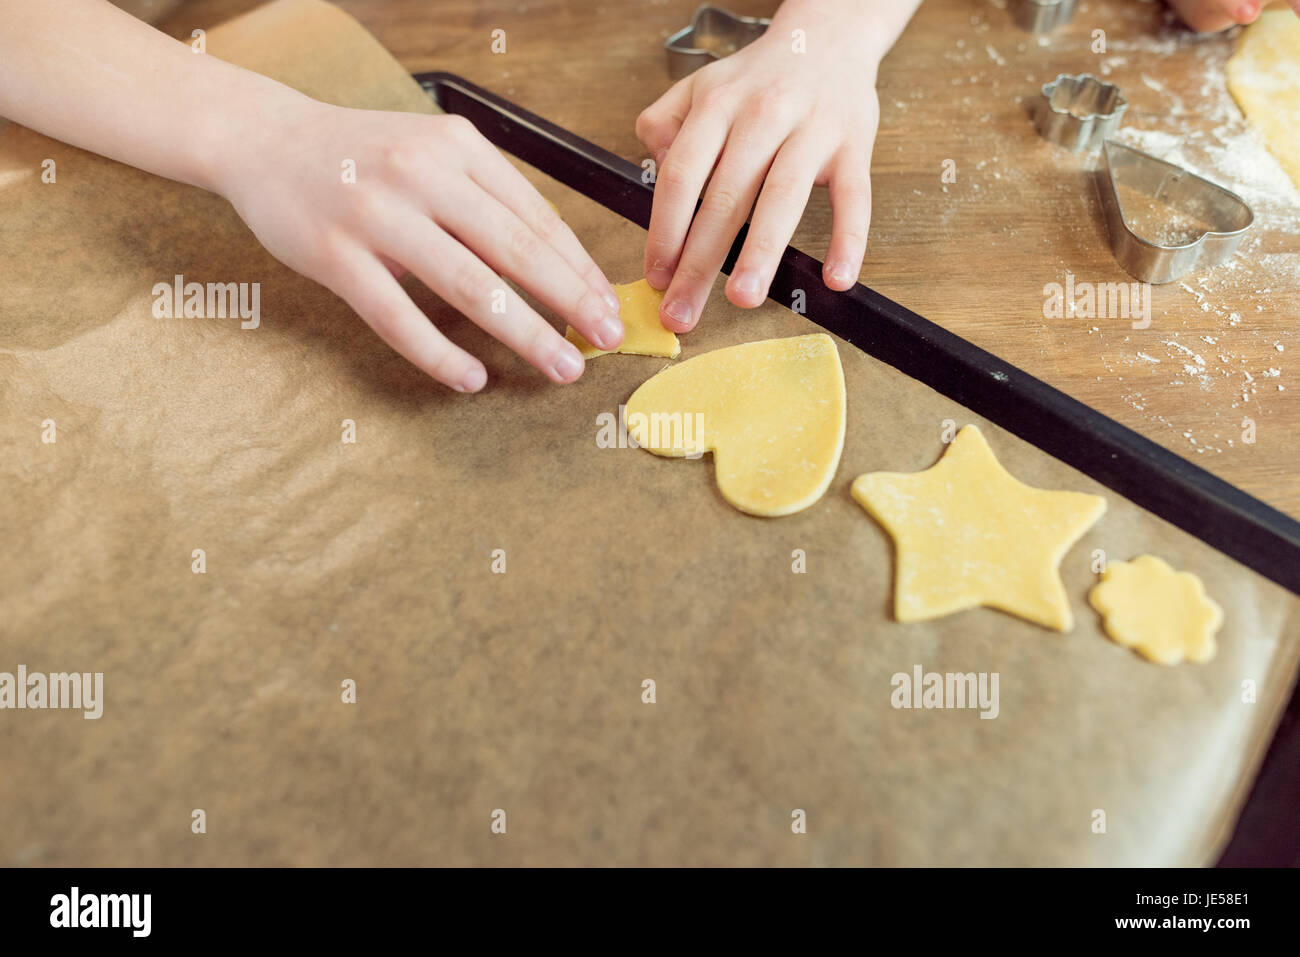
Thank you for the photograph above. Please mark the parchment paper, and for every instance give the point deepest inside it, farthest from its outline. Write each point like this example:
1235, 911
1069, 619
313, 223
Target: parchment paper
520, 691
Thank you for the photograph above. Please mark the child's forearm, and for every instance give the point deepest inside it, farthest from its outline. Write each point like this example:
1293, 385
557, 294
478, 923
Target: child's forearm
89, 74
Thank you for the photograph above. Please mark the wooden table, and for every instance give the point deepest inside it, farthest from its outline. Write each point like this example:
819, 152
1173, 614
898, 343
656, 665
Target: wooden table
973, 255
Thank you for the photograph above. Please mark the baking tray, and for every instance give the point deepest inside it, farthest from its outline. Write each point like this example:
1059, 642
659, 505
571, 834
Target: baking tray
1219, 514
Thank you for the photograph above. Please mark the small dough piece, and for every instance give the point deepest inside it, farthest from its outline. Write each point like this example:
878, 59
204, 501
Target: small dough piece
1264, 78
643, 332
968, 533
772, 413
1162, 614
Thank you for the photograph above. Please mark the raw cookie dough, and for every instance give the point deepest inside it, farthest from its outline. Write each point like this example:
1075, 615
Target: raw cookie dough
772, 413
968, 533
643, 332
1264, 78
1162, 614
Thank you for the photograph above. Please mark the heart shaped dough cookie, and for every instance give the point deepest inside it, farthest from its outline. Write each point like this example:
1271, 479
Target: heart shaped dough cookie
772, 413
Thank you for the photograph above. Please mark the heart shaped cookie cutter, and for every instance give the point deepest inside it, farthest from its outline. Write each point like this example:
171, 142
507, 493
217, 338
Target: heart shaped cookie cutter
713, 34
1079, 112
1225, 214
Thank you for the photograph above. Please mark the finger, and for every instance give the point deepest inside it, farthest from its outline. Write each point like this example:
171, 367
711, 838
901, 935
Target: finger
727, 202
780, 206
659, 123
497, 176
1216, 16
850, 194
1243, 11
507, 244
369, 288
457, 275
397, 271
681, 179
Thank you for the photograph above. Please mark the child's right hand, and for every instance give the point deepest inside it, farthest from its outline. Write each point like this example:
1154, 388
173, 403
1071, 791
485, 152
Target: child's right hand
431, 196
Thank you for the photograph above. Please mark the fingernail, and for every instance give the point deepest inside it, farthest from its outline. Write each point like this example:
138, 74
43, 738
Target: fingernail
679, 311
474, 380
611, 300
1247, 11
568, 364
841, 272
747, 282
609, 333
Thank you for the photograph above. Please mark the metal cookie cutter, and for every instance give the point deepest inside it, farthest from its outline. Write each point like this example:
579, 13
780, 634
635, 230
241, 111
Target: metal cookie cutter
1079, 112
1042, 16
713, 34
1225, 214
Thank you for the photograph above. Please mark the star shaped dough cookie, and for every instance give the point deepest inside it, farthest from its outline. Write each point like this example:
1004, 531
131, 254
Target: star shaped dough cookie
1162, 614
967, 533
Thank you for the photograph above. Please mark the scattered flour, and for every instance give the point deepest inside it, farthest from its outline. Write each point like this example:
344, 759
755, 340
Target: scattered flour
1180, 111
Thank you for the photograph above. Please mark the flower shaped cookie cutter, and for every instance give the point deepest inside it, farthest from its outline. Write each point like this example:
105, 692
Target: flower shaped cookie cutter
713, 34
1079, 112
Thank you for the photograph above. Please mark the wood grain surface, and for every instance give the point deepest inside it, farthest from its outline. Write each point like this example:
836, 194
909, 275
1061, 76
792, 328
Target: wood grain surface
973, 255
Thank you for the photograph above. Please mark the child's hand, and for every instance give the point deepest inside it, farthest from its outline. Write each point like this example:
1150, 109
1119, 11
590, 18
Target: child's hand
767, 123
431, 196
1211, 16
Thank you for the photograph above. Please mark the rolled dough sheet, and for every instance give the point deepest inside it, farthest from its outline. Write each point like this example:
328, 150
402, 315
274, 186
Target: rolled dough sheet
1264, 78
771, 412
